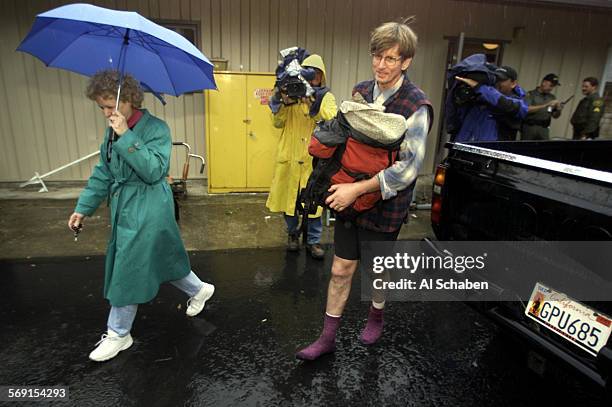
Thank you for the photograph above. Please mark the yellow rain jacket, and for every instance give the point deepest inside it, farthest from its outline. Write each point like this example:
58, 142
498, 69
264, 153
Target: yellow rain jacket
293, 163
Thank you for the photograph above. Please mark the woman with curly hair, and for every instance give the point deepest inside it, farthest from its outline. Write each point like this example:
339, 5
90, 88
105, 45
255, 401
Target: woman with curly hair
145, 248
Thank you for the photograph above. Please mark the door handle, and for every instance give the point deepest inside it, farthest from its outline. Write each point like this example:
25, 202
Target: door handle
247, 121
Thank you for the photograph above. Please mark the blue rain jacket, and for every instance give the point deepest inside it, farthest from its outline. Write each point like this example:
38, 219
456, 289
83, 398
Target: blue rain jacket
494, 117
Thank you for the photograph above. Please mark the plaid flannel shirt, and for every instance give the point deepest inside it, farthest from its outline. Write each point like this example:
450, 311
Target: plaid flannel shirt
389, 214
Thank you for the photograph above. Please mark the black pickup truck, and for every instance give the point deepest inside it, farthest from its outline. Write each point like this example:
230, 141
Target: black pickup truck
530, 191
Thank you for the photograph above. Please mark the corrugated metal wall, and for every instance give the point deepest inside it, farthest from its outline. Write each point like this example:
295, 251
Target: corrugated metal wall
46, 121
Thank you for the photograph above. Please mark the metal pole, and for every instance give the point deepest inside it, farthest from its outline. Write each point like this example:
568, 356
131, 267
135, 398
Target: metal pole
88, 156
460, 46
38, 179
120, 68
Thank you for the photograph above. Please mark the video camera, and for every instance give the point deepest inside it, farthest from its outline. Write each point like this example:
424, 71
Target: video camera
463, 93
474, 67
291, 78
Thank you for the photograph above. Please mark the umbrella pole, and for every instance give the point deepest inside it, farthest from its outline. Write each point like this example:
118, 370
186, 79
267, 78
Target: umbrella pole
118, 94
122, 57
117, 106
120, 69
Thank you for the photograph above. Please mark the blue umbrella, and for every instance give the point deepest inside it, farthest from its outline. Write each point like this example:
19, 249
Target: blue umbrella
86, 39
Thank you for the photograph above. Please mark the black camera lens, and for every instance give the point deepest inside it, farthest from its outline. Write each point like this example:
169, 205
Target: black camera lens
295, 89
463, 95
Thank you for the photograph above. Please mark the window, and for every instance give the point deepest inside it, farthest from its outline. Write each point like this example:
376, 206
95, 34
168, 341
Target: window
188, 29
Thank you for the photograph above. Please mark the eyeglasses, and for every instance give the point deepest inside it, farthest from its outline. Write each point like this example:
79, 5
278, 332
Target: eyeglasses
389, 61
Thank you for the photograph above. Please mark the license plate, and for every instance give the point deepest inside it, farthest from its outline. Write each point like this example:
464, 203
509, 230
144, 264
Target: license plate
577, 323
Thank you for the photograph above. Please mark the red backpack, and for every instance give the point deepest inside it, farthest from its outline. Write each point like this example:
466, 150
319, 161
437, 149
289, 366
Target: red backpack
344, 155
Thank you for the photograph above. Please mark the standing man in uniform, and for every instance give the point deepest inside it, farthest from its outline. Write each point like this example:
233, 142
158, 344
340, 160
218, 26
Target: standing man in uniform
589, 111
297, 119
542, 107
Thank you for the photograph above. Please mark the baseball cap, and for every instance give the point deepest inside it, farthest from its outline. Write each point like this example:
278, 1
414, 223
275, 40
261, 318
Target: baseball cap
506, 72
553, 78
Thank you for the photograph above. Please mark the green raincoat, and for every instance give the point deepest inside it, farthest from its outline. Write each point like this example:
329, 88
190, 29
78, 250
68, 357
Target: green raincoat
145, 248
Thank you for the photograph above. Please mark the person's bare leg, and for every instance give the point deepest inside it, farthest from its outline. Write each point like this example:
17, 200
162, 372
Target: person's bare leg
337, 294
340, 285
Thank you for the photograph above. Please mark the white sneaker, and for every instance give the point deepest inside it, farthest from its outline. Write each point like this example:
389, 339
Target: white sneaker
110, 345
195, 304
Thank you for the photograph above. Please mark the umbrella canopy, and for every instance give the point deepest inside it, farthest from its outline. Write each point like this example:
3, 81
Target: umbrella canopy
86, 39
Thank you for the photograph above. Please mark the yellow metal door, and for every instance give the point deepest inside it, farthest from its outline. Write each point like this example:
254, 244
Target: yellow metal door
226, 145
262, 136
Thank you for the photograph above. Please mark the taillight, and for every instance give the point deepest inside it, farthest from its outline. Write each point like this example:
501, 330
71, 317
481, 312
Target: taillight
436, 199
440, 175
436, 209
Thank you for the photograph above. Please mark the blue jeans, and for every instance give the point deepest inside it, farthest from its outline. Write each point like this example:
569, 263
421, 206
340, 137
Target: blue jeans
120, 319
315, 228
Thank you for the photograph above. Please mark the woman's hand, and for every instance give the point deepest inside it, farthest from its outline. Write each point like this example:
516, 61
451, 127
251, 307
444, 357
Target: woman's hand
343, 195
118, 122
76, 221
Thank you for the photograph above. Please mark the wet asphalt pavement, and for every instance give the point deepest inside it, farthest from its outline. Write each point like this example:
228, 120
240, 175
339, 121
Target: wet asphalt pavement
240, 350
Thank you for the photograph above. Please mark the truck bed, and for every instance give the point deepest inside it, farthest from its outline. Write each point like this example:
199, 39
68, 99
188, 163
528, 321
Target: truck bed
522, 191
527, 190
593, 154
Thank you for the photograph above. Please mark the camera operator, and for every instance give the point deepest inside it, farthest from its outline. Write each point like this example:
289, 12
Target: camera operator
297, 116
496, 113
543, 106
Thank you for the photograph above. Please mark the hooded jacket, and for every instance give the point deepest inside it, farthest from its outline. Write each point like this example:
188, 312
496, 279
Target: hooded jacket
493, 117
490, 115
293, 163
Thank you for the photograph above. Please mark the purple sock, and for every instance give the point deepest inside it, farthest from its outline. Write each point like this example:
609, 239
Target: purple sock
374, 327
326, 342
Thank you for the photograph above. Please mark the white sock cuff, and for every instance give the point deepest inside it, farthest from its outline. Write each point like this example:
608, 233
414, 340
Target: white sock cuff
378, 305
333, 316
